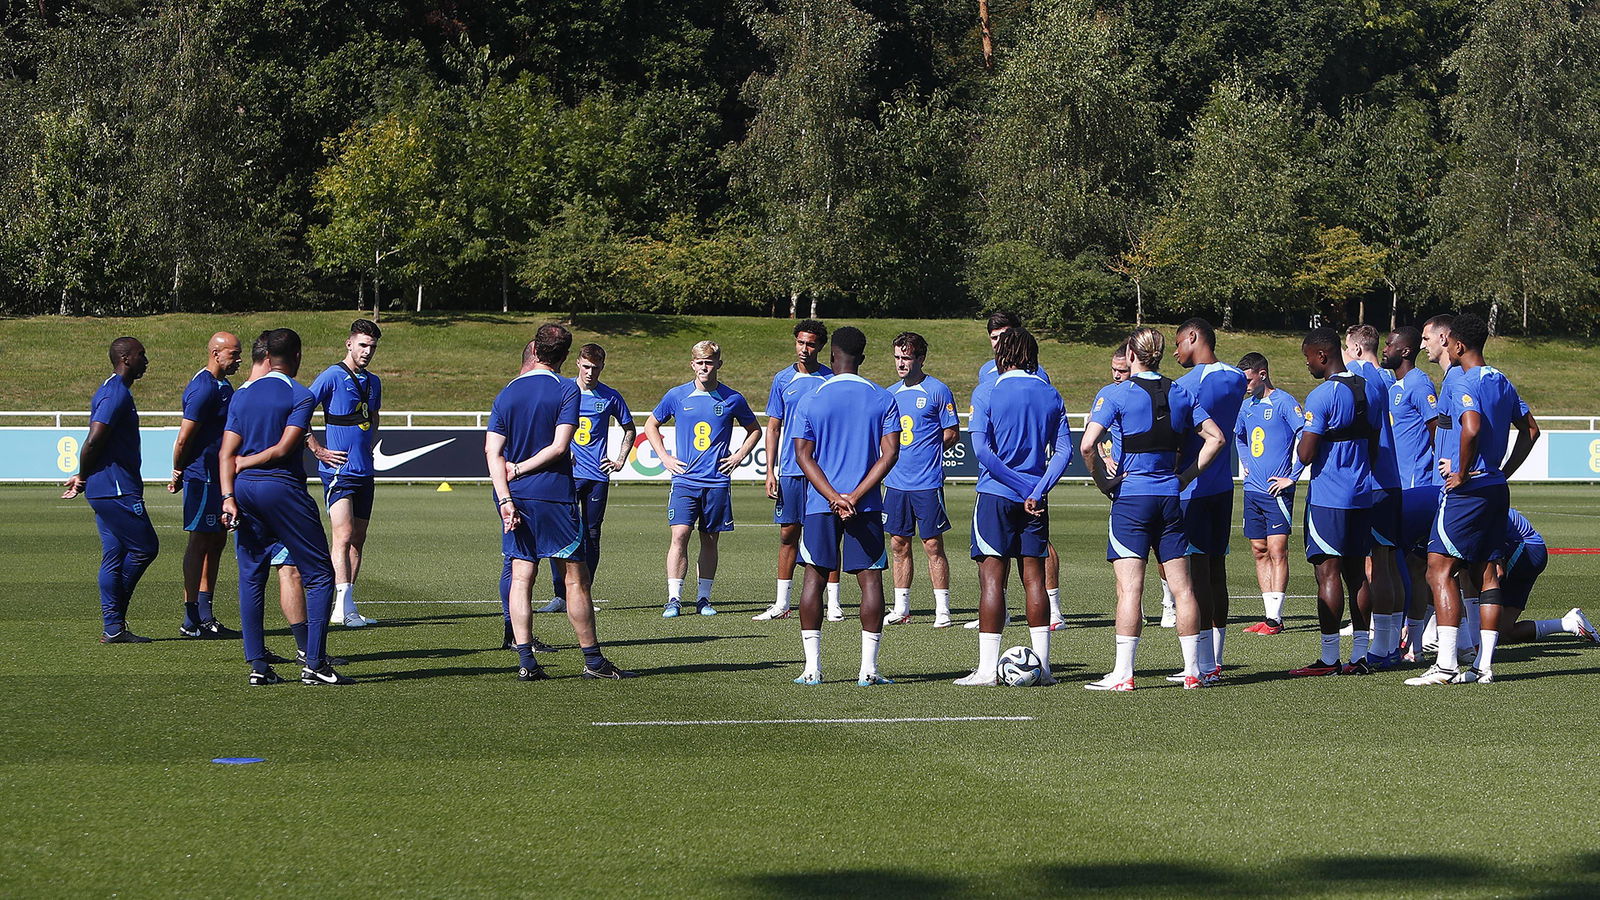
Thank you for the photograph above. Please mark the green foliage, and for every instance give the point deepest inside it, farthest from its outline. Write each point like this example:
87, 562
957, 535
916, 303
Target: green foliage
1339, 267
1049, 292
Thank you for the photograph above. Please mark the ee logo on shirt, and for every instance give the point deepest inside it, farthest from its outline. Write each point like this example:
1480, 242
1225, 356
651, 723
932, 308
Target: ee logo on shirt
585, 432
1258, 441
702, 436
907, 434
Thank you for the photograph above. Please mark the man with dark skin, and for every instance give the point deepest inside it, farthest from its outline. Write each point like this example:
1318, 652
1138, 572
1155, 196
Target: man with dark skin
194, 471
1413, 406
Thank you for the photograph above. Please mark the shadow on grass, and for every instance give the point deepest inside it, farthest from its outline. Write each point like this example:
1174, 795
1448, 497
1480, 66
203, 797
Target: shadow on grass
685, 639
697, 668
641, 324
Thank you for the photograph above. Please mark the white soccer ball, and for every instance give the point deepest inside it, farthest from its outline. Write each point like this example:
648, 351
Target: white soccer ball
1020, 667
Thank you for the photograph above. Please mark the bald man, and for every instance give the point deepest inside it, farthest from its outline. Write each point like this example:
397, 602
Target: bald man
194, 471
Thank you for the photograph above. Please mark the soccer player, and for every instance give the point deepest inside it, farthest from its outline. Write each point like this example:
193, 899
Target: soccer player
194, 471
786, 484
1018, 420
701, 468
350, 397
1483, 406
1413, 406
1519, 561
1265, 436
264, 498
592, 465
1148, 417
530, 358
108, 477
526, 447
1207, 501
1338, 442
847, 442
913, 499
1385, 586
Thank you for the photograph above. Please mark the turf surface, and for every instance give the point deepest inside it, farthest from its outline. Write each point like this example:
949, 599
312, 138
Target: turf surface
440, 775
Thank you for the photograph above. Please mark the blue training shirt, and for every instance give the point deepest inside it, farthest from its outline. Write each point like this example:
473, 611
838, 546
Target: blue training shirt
704, 429
340, 395
1446, 440
1265, 437
1488, 392
1219, 389
205, 403
1341, 473
1386, 468
116, 474
989, 371
1412, 405
925, 410
846, 418
1022, 417
590, 443
259, 413
789, 387
526, 412
1124, 410
1520, 531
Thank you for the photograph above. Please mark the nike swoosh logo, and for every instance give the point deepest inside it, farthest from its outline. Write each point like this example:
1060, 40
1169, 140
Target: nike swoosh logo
383, 462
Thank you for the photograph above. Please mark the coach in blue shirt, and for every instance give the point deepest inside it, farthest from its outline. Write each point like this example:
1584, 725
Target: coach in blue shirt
194, 470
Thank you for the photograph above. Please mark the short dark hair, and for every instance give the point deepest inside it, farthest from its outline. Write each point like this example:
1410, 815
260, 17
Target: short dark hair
1208, 335
366, 326
258, 348
121, 348
1253, 360
851, 342
1441, 321
812, 326
1323, 337
910, 340
1408, 335
1471, 330
1004, 318
529, 354
551, 344
593, 353
1017, 349
1121, 352
282, 343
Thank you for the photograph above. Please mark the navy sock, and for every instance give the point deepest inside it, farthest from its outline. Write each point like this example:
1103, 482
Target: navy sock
298, 629
592, 657
191, 615
525, 655
259, 665
203, 601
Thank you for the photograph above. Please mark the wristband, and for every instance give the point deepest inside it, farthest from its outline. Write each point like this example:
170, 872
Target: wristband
227, 496
501, 502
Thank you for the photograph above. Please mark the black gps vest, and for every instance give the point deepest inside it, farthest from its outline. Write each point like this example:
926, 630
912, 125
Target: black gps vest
1362, 428
1161, 438
363, 413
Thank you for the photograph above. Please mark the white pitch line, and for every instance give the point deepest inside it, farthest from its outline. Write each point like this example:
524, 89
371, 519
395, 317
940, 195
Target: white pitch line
826, 721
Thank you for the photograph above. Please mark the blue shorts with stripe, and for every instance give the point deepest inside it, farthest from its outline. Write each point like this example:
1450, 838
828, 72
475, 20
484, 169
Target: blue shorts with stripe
791, 503
1142, 524
202, 506
1471, 522
1383, 517
849, 545
1418, 506
550, 529
1527, 562
1207, 523
1001, 527
1337, 532
1266, 515
922, 511
338, 486
711, 507
278, 555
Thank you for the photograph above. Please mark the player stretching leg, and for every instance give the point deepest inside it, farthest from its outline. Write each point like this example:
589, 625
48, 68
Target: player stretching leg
846, 440
1265, 436
1413, 406
194, 471
108, 477
914, 490
786, 484
526, 449
350, 397
1016, 421
1482, 406
701, 467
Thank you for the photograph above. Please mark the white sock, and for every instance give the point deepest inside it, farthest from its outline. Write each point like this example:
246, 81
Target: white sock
1166, 594
784, 584
1430, 631
1218, 636
1543, 628
811, 642
1382, 633
342, 604
1447, 647
1360, 643
1190, 645
674, 588
988, 654
1485, 660
902, 601
1055, 603
869, 652
1469, 622
1040, 635
941, 602
705, 589
1205, 653
1397, 626
1330, 649
833, 595
1273, 601
1127, 646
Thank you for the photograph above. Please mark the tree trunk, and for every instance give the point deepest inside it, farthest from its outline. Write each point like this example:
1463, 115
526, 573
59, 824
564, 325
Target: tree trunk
1494, 317
1361, 310
1524, 310
1227, 316
1394, 307
419, 298
988, 38
794, 303
1138, 304
505, 290
361, 294
814, 304
177, 271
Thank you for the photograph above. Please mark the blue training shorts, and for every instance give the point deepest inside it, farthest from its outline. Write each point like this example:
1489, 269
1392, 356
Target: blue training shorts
202, 506
1383, 517
850, 545
791, 502
1207, 522
1471, 522
1266, 515
337, 486
1336, 532
1002, 528
1522, 570
711, 507
550, 529
1143, 523
1418, 506
922, 511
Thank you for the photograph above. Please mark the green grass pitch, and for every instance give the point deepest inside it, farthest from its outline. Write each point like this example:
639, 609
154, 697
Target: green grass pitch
440, 775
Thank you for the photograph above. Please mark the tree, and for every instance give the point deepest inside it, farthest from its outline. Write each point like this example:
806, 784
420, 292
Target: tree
1339, 267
